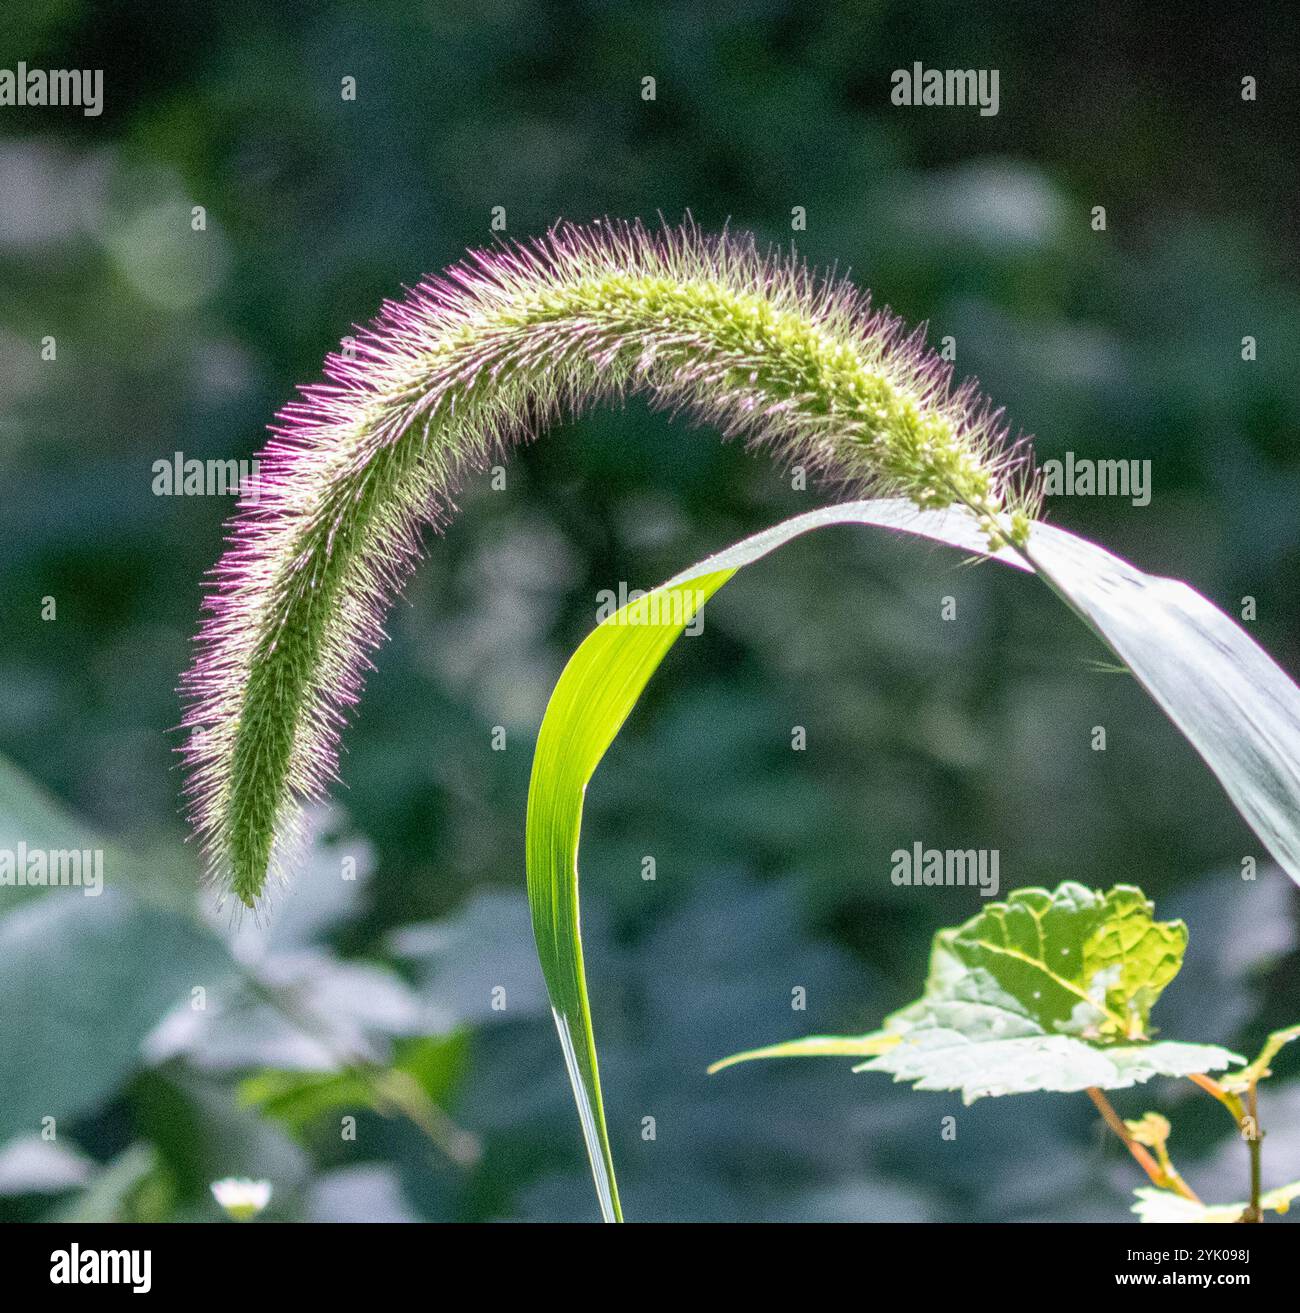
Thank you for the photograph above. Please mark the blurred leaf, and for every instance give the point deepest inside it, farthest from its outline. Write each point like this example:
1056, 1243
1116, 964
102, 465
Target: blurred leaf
202, 1133
112, 1194
477, 965
298, 1098
369, 1192
305, 1009
29, 815
296, 1003
419, 1081
32, 1165
84, 981
1155, 1205
1225, 974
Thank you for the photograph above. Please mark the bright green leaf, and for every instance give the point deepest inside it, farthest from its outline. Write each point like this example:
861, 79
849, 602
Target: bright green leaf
298, 1098
816, 1046
594, 696
1075, 961
1046, 991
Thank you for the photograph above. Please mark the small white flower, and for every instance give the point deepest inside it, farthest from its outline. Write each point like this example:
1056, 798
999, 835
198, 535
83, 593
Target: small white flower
241, 1198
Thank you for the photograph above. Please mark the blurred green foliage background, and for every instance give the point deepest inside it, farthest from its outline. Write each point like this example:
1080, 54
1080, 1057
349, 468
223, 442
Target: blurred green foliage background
772, 865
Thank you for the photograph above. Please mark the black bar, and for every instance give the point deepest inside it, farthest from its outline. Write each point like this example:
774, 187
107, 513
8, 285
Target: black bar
252, 1263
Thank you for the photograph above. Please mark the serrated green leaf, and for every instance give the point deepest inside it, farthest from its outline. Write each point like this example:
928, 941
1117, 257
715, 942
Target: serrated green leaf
1047, 991
1075, 961
979, 1067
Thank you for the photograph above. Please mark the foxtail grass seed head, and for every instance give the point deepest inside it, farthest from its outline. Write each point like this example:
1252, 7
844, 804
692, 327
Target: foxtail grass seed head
446, 380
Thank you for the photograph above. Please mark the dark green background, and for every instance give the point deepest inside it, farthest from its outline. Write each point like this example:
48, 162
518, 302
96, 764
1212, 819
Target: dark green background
773, 866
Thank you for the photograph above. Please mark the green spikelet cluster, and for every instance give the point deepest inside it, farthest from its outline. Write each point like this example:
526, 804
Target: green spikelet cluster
444, 382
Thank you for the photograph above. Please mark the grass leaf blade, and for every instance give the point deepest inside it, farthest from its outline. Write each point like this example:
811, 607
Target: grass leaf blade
1232, 702
594, 696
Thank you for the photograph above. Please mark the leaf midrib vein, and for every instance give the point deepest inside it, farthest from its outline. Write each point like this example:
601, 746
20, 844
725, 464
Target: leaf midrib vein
1067, 985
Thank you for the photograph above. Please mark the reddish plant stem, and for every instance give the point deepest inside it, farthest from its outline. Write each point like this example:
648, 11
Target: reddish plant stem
1158, 1175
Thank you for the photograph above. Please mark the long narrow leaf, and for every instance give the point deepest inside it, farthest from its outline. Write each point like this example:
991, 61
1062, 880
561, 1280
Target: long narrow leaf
598, 689
594, 695
815, 1046
1230, 699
